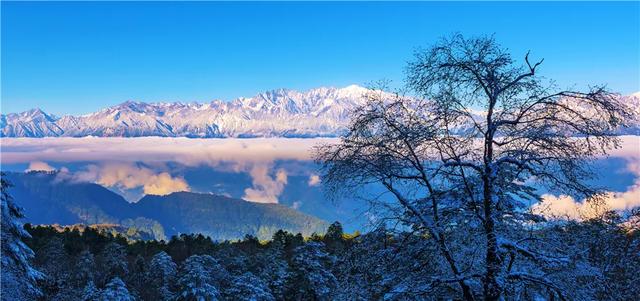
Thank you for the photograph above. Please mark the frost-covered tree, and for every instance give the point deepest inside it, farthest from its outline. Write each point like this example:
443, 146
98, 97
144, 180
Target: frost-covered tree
333, 238
248, 287
61, 281
160, 276
271, 266
361, 270
53, 261
234, 260
465, 155
19, 278
311, 276
113, 261
85, 268
115, 290
90, 292
385, 265
603, 254
201, 278
136, 280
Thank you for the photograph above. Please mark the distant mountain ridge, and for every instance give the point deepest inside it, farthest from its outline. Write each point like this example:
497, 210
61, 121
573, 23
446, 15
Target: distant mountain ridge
321, 112
50, 199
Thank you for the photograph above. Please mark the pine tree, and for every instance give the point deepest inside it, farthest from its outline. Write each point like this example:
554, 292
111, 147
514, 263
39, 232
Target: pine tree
234, 260
248, 287
18, 276
113, 261
85, 268
361, 270
116, 290
333, 239
160, 276
53, 261
272, 268
312, 277
198, 279
90, 292
65, 282
136, 279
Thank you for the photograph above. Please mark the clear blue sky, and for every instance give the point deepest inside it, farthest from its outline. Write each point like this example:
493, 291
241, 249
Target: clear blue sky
78, 57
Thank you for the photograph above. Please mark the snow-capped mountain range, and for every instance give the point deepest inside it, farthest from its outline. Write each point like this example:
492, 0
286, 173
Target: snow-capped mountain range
321, 112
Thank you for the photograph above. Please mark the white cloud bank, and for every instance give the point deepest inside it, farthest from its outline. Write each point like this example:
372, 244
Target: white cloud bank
314, 180
266, 189
566, 207
190, 152
39, 166
255, 156
116, 158
129, 177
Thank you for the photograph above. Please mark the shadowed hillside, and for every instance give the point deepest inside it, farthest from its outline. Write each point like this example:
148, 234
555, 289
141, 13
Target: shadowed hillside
49, 198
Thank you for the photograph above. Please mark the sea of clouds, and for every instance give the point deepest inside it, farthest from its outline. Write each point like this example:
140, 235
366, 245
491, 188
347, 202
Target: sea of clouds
115, 162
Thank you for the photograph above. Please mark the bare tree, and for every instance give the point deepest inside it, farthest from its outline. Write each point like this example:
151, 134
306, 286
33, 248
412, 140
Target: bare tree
470, 150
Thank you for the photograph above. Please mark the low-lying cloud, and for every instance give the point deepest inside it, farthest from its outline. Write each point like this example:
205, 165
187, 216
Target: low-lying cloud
126, 176
115, 163
266, 188
117, 157
566, 207
314, 180
186, 151
39, 166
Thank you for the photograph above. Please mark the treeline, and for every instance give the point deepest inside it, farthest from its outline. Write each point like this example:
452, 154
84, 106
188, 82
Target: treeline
602, 263
97, 265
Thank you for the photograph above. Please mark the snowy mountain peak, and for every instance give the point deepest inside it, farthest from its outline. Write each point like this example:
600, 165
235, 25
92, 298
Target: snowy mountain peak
36, 115
319, 112
276, 113
353, 90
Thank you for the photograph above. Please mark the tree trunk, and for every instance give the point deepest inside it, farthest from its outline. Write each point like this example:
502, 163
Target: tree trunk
492, 289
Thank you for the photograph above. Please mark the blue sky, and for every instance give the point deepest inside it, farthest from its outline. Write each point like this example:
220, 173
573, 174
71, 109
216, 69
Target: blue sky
78, 57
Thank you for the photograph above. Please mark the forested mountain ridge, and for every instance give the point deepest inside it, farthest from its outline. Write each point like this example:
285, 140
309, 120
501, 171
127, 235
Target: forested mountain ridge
130, 233
189, 212
48, 198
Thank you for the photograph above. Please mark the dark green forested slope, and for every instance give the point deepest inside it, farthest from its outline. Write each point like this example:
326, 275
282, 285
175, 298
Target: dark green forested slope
50, 198
219, 216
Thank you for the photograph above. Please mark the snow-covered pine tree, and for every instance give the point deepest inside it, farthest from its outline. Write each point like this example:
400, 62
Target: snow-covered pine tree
19, 278
115, 290
234, 260
200, 279
362, 270
312, 277
90, 292
272, 268
248, 287
85, 268
113, 261
160, 275
53, 261
136, 280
